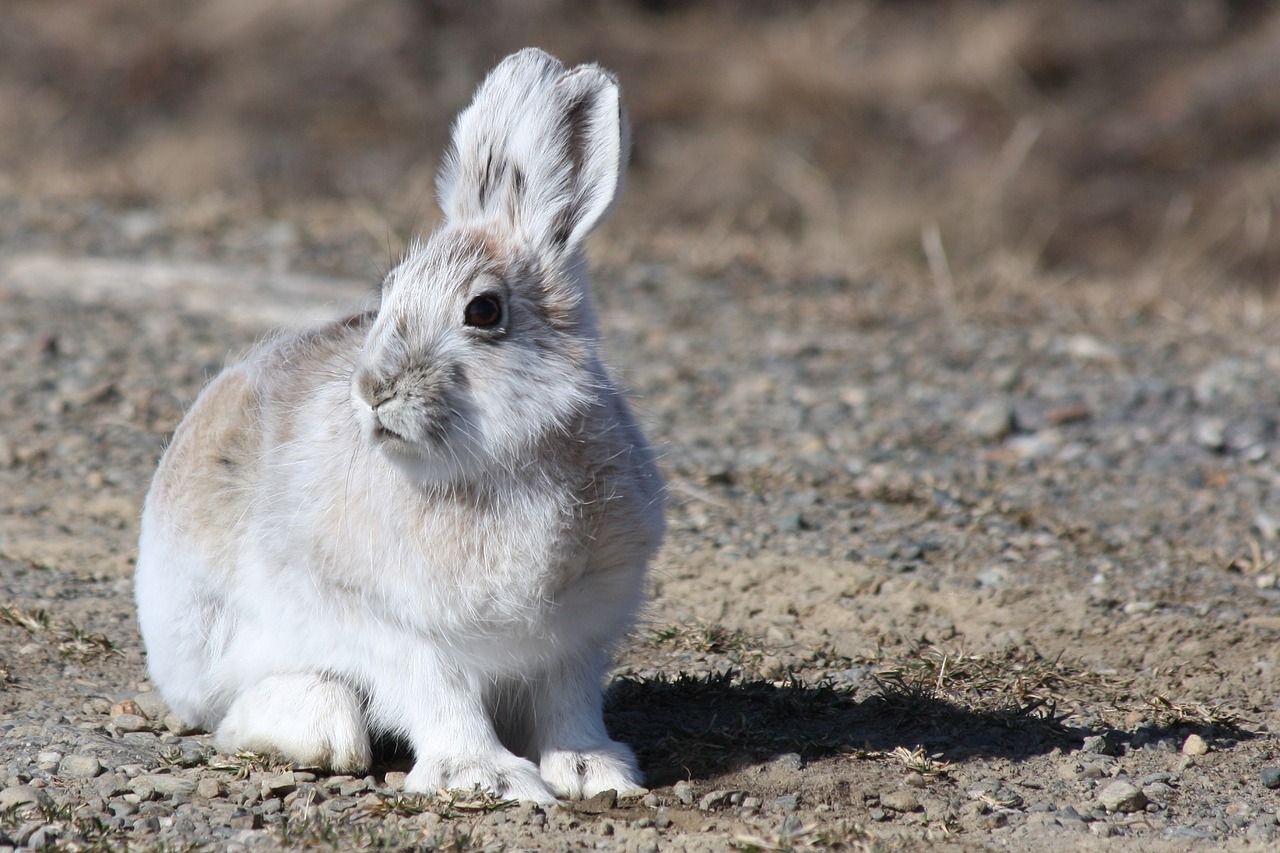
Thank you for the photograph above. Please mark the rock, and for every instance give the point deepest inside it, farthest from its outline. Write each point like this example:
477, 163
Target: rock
394, 780
1211, 434
900, 801
163, 785
599, 804
209, 789
1104, 744
111, 785
242, 819
80, 767
279, 784
1194, 745
1120, 796
42, 838
786, 803
990, 420
151, 704
1089, 349
130, 722
716, 800
177, 725
683, 792
127, 707
1271, 777
48, 761
22, 795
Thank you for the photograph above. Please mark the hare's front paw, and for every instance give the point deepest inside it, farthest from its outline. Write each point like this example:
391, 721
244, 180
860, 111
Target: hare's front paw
504, 775
303, 717
578, 774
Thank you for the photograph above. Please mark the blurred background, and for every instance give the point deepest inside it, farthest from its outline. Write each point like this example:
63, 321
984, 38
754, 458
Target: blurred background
1137, 141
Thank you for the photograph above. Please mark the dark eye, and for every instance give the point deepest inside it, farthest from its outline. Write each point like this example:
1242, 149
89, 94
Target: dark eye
484, 312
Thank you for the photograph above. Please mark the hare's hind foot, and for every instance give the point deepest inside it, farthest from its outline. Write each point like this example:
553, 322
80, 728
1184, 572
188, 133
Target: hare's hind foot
302, 717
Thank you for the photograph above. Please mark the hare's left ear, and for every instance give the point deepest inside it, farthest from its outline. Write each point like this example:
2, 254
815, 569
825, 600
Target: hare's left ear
539, 153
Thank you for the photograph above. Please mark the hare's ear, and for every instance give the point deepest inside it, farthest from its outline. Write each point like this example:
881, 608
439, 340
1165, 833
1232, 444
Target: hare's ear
539, 153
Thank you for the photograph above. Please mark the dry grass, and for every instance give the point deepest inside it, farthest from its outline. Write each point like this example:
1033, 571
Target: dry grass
71, 640
1197, 715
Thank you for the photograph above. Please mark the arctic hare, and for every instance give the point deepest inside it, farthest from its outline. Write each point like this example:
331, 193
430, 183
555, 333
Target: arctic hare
433, 519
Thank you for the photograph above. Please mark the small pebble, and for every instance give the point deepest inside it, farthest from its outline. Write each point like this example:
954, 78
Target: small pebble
48, 760
715, 800
599, 804
22, 795
177, 725
394, 780
1120, 796
786, 803
1195, 745
111, 785
45, 836
1103, 744
900, 801
80, 767
151, 705
1271, 777
210, 789
130, 722
127, 708
1211, 433
683, 792
278, 784
990, 420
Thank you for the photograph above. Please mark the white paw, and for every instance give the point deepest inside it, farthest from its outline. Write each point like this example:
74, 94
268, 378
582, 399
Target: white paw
302, 717
504, 775
580, 774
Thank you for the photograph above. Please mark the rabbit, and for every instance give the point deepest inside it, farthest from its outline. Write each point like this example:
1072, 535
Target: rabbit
431, 520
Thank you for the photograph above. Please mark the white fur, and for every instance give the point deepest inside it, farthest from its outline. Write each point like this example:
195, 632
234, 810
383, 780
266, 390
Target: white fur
401, 523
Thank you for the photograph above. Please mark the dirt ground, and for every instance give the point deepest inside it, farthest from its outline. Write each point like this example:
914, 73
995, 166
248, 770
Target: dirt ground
956, 325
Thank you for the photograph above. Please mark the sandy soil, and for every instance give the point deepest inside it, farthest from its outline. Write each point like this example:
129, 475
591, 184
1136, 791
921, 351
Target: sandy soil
955, 323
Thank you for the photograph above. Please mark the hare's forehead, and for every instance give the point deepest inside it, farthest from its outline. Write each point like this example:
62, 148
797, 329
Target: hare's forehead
448, 264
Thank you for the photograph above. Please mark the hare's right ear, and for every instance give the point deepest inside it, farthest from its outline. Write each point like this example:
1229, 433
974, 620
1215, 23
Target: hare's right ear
539, 153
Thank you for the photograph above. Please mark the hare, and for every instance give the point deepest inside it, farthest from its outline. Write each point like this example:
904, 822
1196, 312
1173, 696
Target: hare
433, 519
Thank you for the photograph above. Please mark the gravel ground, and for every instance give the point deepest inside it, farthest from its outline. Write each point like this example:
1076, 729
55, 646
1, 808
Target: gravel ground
996, 576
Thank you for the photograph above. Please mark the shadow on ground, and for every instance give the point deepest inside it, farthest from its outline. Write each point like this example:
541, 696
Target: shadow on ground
694, 727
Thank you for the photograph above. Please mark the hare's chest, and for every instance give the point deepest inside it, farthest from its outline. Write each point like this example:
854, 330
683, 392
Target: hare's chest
494, 568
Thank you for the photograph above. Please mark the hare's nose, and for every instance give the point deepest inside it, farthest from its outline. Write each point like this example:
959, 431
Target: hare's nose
372, 390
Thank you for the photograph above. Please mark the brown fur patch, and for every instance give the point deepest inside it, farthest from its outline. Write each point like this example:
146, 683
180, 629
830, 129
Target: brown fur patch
213, 459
